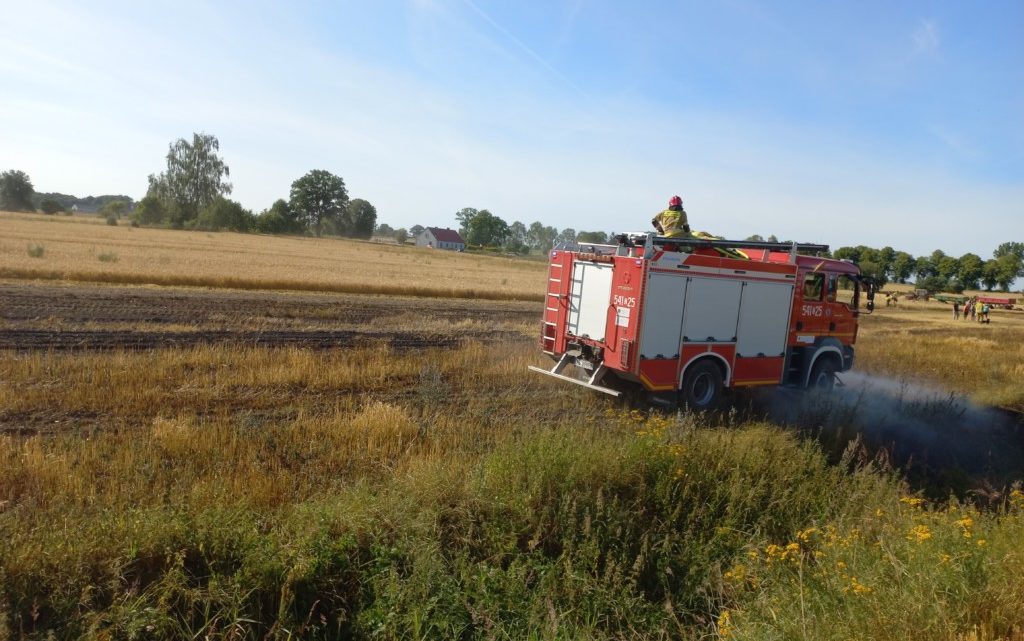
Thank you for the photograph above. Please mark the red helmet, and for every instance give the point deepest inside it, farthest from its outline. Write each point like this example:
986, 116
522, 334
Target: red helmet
675, 201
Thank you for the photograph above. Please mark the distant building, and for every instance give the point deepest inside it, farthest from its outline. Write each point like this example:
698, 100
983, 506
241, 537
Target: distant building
440, 239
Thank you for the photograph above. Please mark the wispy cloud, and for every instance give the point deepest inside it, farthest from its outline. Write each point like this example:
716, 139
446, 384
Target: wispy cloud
526, 49
925, 38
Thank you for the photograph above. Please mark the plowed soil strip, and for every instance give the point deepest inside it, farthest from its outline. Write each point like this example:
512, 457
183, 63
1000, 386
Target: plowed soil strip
34, 339
79, 304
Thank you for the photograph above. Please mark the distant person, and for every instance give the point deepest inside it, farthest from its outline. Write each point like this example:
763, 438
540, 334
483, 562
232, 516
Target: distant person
672, 223
978, 311
956, 310
984, 312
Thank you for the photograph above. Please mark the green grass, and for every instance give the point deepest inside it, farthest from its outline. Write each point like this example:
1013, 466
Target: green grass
626, 527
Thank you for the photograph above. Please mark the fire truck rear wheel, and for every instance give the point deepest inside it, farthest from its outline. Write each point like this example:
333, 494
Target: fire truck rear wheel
702, 386
823, 375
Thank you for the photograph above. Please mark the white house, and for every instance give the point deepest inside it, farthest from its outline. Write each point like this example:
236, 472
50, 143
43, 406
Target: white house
440, 239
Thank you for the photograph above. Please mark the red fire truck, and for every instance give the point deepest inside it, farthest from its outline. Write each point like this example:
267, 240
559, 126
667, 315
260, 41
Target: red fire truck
684, 319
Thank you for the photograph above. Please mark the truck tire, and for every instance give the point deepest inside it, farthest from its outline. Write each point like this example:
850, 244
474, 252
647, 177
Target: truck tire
702, 386
823, 375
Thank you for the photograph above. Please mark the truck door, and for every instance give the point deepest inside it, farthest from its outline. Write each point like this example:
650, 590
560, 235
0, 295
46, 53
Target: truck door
812, 314
843, 298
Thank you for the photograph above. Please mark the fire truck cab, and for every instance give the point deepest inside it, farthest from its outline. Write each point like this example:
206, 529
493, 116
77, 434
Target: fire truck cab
685, 319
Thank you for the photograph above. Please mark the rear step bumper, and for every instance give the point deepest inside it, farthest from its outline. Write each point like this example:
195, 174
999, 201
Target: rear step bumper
591, 383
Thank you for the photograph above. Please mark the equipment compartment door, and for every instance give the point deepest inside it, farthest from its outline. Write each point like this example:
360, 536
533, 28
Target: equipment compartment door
712, 307
589, 299
764, 319
663, 316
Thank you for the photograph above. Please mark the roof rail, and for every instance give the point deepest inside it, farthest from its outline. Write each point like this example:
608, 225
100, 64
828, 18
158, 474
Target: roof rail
725, 244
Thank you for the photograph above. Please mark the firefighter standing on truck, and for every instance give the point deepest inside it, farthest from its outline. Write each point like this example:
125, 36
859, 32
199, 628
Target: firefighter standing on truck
672, 222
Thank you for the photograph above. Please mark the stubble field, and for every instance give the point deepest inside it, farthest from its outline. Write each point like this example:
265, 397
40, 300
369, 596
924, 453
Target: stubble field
223, 463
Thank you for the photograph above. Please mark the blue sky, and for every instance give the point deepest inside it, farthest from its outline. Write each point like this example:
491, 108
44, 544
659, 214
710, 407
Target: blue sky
845, 123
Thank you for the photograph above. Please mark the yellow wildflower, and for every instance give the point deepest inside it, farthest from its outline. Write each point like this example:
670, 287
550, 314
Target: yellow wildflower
912, 501
805, 535
919, 533
858, 587
965, 522
736, 573
724, 624
944, 558
981, 542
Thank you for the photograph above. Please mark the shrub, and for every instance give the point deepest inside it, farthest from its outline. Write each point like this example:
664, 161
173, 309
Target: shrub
224, 214
150, 211
50, 206
35, 250
112, 220
108, 257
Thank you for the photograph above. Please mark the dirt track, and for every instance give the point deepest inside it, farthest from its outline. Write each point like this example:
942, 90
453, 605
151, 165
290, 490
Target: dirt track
62, 317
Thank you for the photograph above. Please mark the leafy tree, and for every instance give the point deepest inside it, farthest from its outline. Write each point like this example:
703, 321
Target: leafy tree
486, 229
567, 236
902, 266
541, 237
416, 230
874, 270
756, 238
279, 219
16, 191
592, 237
50, 206
848, 253
1008, 267
401, 235
970, 270
384, 230
947, 267
195, 178
886, 256
150, 211
773, 239
924, 267
224, 214
464, 216
517, 241
1017, 249
932, 283
115, 208
362, 218
317, 198
990, 274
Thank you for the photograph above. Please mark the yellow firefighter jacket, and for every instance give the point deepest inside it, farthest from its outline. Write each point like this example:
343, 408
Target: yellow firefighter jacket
673, 224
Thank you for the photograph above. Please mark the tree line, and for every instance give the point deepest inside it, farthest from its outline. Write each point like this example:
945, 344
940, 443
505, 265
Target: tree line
938, 272
481, 228
191, 193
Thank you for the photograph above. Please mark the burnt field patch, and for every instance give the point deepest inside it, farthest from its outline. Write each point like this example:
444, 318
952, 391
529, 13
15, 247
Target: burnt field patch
60, 317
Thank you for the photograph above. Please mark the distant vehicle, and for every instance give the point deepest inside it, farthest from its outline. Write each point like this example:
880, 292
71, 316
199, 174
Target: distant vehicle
998, 301
682, 319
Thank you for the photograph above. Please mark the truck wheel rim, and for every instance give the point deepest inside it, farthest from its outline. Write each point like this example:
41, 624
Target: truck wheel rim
703, 389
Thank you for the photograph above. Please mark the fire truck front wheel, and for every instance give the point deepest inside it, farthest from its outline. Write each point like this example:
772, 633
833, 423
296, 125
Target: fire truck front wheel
823, 374
702, 386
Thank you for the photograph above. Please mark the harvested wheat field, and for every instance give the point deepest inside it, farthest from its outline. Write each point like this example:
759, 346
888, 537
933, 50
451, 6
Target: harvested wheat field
256, 463
86, 249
